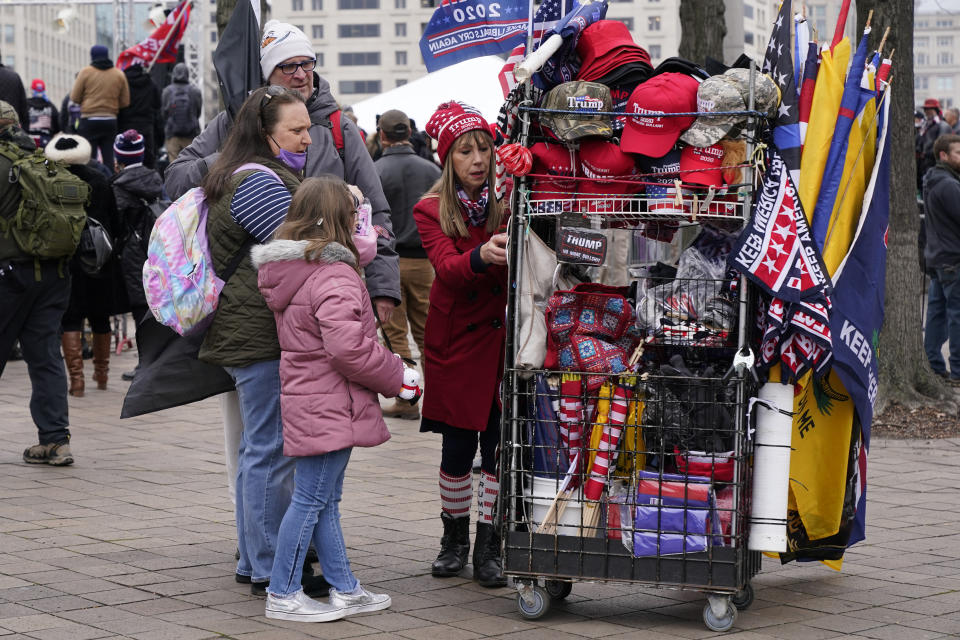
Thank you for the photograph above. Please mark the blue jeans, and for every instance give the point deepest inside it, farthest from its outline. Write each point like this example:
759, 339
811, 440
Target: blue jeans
943, 320
314, 513
264, 474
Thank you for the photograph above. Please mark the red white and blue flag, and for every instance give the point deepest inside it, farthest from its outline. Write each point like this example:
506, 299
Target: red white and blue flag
463, 29
776, 250
779, 64
544, 20
167, 36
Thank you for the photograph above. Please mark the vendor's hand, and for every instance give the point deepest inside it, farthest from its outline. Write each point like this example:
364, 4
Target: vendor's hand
494, 250
385, 308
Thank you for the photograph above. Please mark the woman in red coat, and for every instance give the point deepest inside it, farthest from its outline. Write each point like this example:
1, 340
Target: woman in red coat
458, 221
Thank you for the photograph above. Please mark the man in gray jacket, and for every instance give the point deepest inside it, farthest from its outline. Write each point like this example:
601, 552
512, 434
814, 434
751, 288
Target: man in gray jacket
287, 59
406, 177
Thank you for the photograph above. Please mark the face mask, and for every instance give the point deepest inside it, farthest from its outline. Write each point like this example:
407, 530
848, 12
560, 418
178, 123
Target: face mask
296, 161
365, 236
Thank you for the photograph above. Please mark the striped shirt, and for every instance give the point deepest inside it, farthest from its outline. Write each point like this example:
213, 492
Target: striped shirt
260, 204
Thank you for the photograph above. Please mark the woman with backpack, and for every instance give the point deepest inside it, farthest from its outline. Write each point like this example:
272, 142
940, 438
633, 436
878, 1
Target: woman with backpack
97, 290
248, 191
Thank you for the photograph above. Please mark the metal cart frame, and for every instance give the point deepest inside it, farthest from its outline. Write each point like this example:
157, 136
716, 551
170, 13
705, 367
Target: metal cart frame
544, 565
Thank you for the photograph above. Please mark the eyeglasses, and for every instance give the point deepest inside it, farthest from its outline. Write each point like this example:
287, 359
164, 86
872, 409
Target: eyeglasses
290, 68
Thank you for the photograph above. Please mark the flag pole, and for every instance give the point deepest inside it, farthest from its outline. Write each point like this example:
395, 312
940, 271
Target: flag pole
841, 24
173, 28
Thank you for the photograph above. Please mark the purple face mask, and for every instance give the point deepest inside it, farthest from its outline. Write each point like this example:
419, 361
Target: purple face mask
296, 161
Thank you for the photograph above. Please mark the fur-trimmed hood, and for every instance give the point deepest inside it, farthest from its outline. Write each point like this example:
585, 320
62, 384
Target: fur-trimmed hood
284, 250
284, 269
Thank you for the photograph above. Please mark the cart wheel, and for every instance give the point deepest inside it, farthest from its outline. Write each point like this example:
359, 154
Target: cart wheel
558, 589
719, 624
538, 608
743, 598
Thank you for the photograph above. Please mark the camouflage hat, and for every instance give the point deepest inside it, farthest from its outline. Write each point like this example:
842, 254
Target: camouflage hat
7, 112
716, 94
766, 94
578, 96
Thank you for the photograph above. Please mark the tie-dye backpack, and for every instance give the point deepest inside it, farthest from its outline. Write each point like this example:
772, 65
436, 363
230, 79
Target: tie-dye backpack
179, 281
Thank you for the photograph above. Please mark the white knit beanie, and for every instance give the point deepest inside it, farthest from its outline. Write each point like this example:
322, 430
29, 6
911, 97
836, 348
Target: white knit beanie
282, 41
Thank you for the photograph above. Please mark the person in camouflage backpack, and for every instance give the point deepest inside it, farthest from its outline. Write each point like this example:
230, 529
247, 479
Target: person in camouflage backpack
35, 296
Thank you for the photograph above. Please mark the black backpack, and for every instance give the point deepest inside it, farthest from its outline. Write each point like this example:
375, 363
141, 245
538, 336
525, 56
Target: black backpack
181, 120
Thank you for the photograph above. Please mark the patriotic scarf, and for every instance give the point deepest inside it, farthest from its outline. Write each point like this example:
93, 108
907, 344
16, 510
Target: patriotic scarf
476, 209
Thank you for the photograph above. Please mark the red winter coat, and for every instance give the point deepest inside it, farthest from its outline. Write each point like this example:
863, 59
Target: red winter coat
464, 337
331, 365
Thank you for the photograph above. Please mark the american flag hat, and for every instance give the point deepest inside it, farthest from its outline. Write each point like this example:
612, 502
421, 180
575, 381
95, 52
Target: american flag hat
450, 121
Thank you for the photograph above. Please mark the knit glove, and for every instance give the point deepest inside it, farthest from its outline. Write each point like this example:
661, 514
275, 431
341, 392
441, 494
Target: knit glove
411, 386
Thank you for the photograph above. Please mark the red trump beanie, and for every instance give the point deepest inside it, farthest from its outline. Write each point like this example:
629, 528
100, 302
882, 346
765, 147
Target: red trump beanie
450, 121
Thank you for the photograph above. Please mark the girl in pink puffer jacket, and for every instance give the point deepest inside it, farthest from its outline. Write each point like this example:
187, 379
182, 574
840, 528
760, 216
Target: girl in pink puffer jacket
331, 370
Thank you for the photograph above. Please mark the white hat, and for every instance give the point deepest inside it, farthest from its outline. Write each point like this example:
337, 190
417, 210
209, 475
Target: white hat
282, 41
68, 148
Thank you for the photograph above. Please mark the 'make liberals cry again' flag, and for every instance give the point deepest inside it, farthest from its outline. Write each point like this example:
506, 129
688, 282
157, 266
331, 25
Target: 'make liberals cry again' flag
464, 29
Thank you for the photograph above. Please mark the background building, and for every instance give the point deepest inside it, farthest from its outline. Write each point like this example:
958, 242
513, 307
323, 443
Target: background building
32, 46
936, 52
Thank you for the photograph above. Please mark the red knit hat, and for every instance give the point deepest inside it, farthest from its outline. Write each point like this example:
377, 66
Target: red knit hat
450, 121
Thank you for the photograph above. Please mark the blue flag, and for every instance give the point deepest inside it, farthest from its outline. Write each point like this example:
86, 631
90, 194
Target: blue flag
858, 308
833, 170
464, 29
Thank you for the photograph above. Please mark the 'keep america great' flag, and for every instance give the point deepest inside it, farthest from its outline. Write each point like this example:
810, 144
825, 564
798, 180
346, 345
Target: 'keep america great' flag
776, 250
464, 29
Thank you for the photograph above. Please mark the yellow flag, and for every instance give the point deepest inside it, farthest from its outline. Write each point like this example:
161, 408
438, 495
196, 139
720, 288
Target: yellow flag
823, 415
823, 119
857, 167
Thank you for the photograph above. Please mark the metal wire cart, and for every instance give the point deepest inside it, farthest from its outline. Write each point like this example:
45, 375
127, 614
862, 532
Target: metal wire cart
626, 454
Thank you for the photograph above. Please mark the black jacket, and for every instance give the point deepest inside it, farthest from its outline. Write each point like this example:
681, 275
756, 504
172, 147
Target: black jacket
941, 202
11, 91
44, 118
104, 293
144, 109
132, 187
405, 177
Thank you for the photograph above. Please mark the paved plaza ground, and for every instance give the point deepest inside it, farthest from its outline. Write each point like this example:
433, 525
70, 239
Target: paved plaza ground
136, 540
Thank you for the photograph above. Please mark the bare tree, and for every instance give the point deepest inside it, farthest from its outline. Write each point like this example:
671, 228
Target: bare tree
905, 375
702, 28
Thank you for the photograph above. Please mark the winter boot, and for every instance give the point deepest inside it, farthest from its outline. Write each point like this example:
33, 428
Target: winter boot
487, 570
101, 358
72, 344
454, 546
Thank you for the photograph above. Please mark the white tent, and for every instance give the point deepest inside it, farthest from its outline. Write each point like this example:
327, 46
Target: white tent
472, 81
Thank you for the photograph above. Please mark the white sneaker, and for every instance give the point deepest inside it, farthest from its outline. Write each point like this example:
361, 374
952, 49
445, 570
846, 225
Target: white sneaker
301, 608
362, 602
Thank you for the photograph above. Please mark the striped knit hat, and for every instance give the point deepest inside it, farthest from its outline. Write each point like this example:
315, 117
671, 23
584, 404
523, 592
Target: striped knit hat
450, 121
128, 147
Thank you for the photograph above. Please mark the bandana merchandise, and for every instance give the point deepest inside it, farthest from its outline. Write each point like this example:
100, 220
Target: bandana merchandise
476, 209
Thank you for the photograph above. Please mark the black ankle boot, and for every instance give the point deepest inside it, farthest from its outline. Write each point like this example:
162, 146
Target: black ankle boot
487, 571
454, 546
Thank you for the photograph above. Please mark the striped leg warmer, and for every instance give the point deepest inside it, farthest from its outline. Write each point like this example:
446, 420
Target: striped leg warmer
455, 494
487, 492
